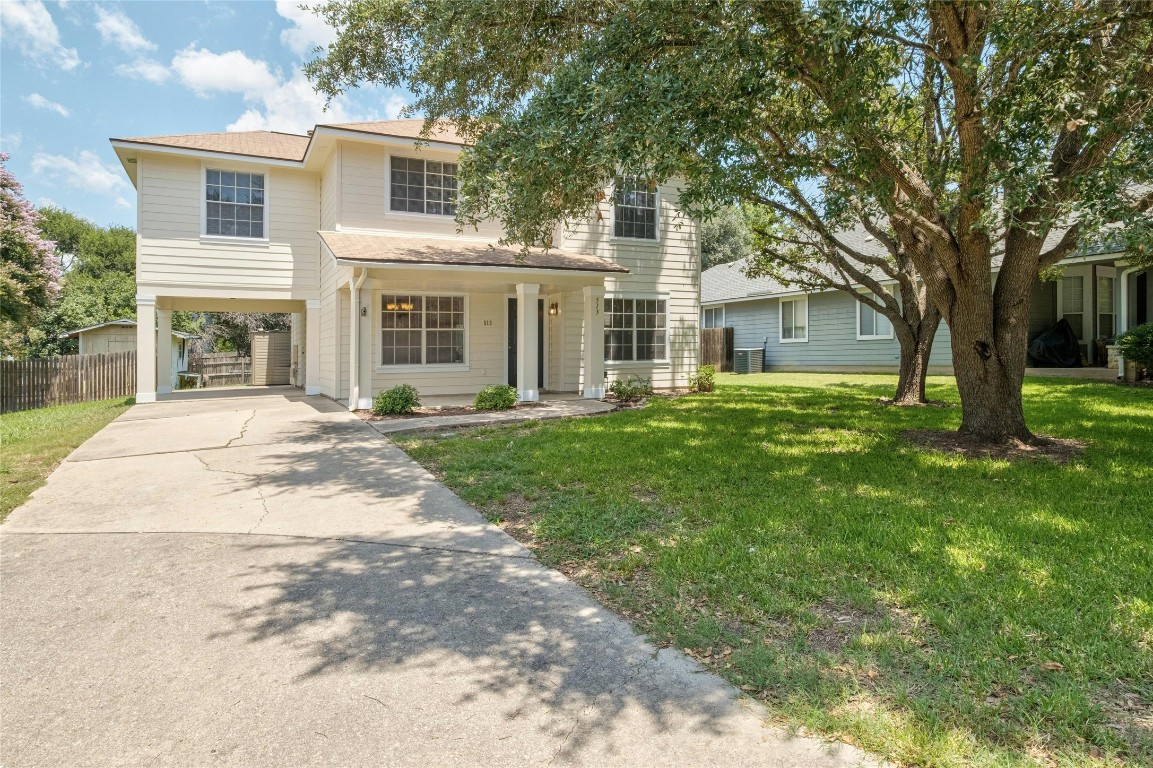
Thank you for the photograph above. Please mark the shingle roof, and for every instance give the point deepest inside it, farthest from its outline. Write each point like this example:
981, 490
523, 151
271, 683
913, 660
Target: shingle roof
405, 129
390, 250
123, 322
266, 144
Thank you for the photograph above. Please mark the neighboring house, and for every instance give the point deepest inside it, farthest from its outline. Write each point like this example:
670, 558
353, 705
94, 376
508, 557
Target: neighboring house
351, 230
829, 330
121, 336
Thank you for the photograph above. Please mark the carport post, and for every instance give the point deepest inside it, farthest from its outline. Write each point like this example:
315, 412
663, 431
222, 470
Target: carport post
312, 347
145, 348
164, 351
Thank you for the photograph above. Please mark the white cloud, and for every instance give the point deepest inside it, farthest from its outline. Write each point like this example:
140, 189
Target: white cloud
28, 25
87, 172
393, 105
308, 30
292, 106
40, 102
145, 69
206, 72
10, 142
115, 27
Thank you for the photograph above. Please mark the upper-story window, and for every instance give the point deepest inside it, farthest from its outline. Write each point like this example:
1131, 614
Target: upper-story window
423, 186
234, 204
635, 208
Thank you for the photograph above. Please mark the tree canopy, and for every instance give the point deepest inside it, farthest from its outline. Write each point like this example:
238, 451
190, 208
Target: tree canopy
971, 135
29, 265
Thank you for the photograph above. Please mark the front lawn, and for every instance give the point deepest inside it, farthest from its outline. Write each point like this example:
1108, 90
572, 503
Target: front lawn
935, 610
33, 442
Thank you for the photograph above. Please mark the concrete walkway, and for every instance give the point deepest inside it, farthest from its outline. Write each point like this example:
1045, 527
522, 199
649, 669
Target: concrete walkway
266, 581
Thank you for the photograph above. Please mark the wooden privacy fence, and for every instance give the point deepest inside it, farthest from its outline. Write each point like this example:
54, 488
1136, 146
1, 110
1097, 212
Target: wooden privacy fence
26, 384
222, 369
717, 348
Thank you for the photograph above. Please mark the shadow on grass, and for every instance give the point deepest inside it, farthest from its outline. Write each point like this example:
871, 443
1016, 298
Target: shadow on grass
770, 507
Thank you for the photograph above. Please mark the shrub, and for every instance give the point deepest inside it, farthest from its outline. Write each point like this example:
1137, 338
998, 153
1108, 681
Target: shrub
400, 399
631, 389
495, 398
705, 379
1136, 344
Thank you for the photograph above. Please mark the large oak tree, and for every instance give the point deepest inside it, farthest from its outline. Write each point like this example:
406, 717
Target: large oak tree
977, 135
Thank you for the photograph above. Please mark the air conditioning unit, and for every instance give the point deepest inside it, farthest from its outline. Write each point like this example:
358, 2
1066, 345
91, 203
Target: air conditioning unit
748, 360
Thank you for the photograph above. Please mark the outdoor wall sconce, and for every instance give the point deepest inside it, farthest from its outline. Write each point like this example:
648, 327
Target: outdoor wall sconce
553, 309
364, 311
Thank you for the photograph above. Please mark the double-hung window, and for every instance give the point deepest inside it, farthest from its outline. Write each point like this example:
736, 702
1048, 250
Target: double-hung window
635, 329
1072, 302
422, 330
634, 208
233, 204
1106, 308
423, 186
795, 319
871, 324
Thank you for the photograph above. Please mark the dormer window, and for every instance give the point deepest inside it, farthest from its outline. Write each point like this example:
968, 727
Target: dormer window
423, 186
234, 204
635, 208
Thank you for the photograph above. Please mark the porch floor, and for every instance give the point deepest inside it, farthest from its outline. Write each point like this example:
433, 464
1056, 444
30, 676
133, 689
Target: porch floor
550, 407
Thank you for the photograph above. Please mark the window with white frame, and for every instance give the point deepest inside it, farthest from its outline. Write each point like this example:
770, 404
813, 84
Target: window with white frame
422, 330
1106, 308
871, 324
714, 317
795, 319
634, 209
233, 203
635, 329
423, 186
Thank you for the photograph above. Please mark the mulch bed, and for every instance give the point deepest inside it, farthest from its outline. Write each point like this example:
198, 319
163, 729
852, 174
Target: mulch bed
424, 413
1057, 449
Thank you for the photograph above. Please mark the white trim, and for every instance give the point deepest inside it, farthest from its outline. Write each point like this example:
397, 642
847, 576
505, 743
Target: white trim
207, 239
312, 303
203, 154
378, 334
378, 138
413, 215
665, 297
478, 268
724, 316
145, 397
621, 239
878, 319
781, 319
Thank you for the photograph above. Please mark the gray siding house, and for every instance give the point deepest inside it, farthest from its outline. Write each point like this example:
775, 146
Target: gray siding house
1098, 294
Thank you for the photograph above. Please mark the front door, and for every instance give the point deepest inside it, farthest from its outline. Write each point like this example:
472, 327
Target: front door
512, 344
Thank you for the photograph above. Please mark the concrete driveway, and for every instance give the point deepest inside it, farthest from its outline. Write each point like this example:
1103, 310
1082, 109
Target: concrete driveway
266, 581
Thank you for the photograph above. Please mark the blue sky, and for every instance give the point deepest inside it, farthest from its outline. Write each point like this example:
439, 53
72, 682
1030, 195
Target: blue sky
74, 74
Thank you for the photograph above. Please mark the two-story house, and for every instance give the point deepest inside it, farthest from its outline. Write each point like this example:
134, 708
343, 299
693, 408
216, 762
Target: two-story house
351, 230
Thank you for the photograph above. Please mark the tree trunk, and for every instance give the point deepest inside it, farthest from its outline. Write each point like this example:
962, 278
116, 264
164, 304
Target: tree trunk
915, 352
989, 355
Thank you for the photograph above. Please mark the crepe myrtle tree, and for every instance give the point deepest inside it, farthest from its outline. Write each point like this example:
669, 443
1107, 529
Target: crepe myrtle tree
1014, 130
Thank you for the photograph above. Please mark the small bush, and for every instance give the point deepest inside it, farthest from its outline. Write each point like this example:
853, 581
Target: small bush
705, 379
1136, 344
400, 399
631, 389
495, 398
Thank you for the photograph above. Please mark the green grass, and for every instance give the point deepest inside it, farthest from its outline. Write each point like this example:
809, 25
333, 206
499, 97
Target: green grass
935, 610
33, 442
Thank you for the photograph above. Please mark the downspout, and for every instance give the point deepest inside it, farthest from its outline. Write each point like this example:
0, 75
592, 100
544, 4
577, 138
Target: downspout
1123, 315
354, 285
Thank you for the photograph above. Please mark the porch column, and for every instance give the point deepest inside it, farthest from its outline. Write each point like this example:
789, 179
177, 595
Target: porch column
526, 341
359, 389
594, 342
163, 351
145, 348
312, 347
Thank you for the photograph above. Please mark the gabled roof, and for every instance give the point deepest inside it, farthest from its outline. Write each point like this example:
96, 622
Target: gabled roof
425, 251
124, 321
402, 129
265, 144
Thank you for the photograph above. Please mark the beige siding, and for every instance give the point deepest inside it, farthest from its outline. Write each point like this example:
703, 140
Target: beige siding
330, 191
364, 190
172, 254
668, 268
103, 341
485, 351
